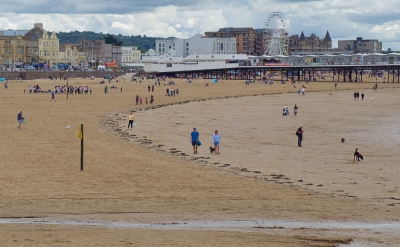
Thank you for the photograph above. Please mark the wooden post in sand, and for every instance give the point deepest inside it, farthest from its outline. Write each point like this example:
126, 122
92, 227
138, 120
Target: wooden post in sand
82, 148
80, 136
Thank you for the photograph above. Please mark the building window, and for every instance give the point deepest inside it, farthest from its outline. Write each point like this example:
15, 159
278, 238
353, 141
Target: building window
19, 51
169, 65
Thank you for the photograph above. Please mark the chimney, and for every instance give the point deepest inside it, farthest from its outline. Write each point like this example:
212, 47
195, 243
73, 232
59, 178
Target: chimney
39, 25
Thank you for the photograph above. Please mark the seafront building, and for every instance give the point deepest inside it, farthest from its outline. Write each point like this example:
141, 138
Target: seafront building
130, 55
302, 45
16, 51
249, 41
42, 47
360, 45
37, 46
197, 44
96, 52
71, 54
48, 44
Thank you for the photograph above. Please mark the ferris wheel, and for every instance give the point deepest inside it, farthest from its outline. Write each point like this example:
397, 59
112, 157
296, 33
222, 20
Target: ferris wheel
276, 35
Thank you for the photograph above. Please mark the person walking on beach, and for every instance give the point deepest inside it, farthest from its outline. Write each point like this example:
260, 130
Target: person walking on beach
303, 91
20, 119
299, 134
151, 99
295, 110
194, 139
362, 96
52, 97
131, 119
216, 139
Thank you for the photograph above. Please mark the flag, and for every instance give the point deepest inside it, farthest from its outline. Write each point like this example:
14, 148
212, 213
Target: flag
80, 133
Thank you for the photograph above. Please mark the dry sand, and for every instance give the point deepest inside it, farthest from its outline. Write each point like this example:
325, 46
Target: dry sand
127, 182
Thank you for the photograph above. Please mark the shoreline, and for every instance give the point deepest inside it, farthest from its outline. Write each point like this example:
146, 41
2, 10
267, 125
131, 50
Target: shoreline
117, 128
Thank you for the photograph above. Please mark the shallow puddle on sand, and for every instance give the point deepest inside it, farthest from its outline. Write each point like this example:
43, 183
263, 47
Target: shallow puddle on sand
211, 225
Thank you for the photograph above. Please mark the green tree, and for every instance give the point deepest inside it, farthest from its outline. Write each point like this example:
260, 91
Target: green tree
110, 39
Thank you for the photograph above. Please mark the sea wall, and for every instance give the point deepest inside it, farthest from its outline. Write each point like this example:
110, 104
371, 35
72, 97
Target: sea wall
32, 75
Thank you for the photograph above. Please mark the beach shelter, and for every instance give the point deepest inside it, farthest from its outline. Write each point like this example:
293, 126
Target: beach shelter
112, 64
2, 79
214, 80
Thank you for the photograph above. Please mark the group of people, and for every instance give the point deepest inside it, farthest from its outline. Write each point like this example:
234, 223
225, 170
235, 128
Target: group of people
35, 89
139, 100
150, 88
357, 95
286, 110
62, 89
302, 90
172, 91
195, 140
78, 90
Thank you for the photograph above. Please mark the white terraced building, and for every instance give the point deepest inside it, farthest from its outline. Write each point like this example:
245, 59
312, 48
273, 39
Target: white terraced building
198, 44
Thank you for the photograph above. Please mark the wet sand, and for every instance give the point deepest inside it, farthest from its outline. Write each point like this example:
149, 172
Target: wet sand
128, 179
258, 141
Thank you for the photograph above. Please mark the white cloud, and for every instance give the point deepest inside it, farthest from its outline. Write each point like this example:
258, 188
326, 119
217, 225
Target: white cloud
370, 19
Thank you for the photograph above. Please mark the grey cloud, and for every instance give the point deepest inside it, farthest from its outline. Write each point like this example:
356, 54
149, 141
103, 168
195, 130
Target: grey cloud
88, 6
374, 19
296, 1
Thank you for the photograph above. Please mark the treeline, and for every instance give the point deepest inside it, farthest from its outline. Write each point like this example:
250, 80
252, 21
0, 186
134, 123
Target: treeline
143, 43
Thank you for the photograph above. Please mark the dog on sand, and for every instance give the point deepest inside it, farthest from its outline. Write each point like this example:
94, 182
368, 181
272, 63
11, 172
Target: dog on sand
357, 155
212, 150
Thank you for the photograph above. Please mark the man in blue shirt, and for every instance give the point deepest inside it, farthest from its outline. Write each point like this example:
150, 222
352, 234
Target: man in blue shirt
52, 96
194, 139
20, 119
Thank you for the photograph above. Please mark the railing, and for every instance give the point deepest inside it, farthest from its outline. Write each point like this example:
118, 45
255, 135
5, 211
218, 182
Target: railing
291, 63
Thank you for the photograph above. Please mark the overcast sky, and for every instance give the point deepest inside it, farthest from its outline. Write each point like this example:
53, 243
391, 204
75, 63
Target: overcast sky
345, 19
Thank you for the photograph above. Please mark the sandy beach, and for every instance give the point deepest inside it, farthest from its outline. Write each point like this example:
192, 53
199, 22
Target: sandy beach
145, 187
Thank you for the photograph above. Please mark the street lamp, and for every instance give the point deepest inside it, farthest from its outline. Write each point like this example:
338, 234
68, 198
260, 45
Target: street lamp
92, 56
